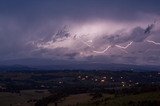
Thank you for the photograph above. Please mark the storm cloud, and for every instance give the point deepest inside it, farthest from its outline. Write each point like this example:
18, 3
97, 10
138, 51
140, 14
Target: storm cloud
103, 31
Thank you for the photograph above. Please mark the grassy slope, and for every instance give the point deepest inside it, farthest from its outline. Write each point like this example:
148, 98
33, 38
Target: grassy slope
81, 99
85, 99
122, 101
20, 99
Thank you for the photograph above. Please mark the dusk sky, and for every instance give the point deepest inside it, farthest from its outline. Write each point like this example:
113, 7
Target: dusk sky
81, 31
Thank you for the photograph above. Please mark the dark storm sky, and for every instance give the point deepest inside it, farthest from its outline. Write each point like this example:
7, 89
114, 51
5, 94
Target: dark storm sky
94, 31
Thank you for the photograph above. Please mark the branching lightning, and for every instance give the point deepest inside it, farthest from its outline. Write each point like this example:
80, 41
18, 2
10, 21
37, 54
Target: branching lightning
86, 43
103, 50
153, 42
124, 47
106, 49
123, 50
89, 42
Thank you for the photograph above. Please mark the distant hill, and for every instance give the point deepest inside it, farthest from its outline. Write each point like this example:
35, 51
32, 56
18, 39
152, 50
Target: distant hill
48, 64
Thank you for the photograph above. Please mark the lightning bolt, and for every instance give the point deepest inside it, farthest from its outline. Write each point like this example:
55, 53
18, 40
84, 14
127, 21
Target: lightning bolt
90, 41
103, 50
123, 50
106, 49
153, 42
86, 43
124, 47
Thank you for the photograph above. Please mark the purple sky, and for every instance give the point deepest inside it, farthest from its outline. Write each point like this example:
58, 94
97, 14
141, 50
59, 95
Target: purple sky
93, 31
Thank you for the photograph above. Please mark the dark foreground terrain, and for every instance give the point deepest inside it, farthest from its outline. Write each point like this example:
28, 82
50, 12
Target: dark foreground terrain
79, 88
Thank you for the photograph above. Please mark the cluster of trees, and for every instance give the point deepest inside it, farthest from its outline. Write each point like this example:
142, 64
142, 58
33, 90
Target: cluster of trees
54, 98
133, 90
144, 103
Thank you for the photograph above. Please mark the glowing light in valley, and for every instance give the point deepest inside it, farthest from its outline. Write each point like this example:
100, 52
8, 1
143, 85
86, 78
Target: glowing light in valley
125, 47
96, 79
137, 83
104, 77
153, 42
102, 80
103, 50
